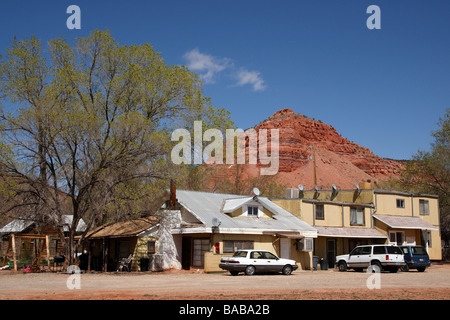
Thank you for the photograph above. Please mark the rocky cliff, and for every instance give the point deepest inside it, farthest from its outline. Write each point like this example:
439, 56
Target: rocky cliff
337, 160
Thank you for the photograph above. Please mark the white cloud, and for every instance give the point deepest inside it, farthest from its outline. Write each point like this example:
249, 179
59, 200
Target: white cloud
207, 65
250, 77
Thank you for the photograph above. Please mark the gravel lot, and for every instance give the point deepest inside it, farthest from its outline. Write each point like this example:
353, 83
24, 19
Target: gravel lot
186, 285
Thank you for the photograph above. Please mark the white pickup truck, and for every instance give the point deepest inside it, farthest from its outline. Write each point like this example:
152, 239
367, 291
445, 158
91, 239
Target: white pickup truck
385, 257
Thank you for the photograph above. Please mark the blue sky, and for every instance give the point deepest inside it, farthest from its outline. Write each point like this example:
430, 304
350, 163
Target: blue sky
383, 89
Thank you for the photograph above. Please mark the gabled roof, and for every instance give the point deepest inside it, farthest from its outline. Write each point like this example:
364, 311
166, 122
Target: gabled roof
206, 205
230, 205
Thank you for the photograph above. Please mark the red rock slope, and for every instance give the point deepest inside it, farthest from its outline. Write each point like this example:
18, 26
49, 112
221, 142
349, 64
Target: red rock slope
338, 160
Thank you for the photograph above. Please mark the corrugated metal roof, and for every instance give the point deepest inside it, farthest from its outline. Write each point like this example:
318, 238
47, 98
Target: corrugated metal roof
345, 232
205, 206
19, 225
402, 222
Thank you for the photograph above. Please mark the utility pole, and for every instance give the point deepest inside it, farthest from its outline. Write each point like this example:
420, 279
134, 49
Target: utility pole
314, 162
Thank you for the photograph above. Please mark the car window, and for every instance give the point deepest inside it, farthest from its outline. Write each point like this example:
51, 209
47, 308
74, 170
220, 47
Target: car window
257, 255
419, 251
365, 250
379, 250
270, 255
242, 254
356, 251
405, 250
394, 250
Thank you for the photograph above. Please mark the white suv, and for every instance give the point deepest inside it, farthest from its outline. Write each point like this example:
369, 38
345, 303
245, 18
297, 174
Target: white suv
385, 257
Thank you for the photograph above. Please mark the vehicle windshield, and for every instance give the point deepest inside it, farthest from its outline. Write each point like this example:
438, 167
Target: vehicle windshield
394, 250
242, 254
419, 251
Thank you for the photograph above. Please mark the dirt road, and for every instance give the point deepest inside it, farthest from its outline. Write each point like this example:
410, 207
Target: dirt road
433, 284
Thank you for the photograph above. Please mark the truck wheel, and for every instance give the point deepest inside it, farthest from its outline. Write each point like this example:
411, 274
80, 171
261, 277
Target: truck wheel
405, 268
250, 270
342, 266
287, 270
393, 269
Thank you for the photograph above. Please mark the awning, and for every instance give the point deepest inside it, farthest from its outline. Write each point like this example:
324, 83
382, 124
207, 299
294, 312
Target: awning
401, 222
290, 235
339, 232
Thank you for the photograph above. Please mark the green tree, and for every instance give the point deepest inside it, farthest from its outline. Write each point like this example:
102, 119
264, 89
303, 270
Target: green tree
429, 172
85, 129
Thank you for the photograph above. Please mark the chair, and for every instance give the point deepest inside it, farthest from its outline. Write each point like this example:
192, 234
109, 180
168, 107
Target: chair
125, 264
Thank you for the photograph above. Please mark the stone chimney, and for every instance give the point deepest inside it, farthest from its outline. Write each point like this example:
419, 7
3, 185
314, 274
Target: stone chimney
173, 194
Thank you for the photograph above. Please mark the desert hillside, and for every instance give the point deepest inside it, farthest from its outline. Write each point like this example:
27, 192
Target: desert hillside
301, 140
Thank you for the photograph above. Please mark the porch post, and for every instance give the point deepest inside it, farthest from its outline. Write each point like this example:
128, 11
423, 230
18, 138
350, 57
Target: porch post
89, 255
13, 243
47, 241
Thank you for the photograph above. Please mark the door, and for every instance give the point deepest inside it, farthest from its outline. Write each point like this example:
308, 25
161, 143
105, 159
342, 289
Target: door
331, 252
353, 258
201, 246
265, 261
259, 260
365, 256
186, 249
285, 248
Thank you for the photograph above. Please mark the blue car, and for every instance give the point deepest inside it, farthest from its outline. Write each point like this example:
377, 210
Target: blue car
416, 257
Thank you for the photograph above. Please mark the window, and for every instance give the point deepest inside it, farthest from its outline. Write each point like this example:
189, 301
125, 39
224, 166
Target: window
424, 207
320, 212
419, 251
426, 238
365, 250
393, 250
242, 254
400, 203
356, 251
270, 255
257, 255
397, 237
379, 250
151, 247
230, 246
252, 211
356, 216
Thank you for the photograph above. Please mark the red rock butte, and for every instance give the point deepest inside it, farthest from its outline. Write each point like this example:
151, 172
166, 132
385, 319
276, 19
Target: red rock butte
338, 161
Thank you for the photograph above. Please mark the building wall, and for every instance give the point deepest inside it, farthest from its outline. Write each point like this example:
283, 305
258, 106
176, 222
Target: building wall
339, 215
386, 204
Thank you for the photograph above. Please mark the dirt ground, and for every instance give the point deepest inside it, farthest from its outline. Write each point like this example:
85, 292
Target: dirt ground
433, 284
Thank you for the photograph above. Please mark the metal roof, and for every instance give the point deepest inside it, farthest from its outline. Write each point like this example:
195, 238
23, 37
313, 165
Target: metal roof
402, 222
19, 225
206, 205
348, 232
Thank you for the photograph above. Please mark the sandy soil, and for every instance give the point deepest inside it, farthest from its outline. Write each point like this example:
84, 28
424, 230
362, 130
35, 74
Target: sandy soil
434, 284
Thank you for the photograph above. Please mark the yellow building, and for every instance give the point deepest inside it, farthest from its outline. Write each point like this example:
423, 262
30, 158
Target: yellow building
347, 218
213, 225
